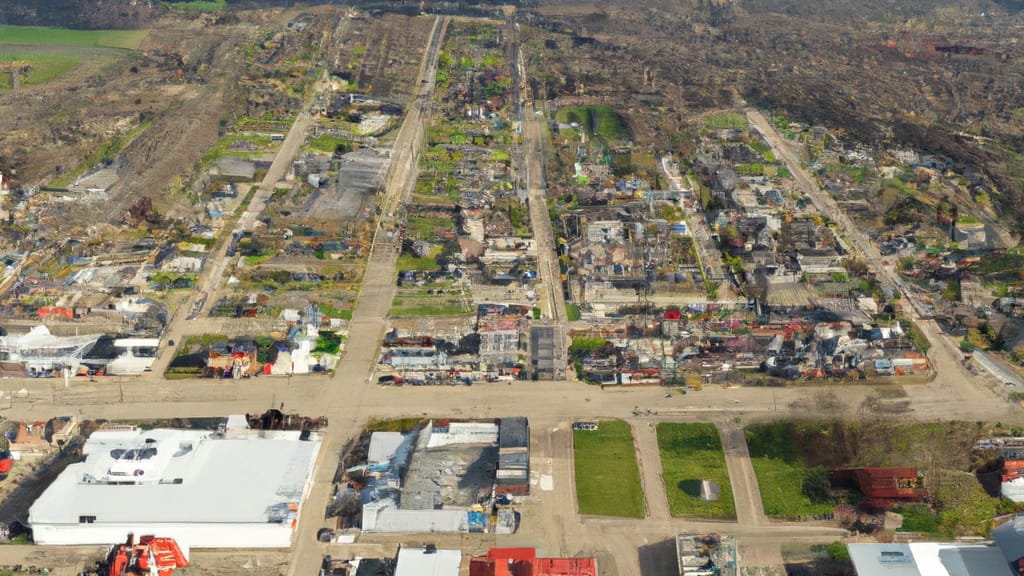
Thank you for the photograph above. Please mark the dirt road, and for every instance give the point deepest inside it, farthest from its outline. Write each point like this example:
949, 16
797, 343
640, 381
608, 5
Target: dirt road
649, 458
746, 493
189, 317
532, 123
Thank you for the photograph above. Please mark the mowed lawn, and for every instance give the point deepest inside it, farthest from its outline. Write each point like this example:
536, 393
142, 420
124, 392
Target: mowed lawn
43, 36
607, 475
691, 453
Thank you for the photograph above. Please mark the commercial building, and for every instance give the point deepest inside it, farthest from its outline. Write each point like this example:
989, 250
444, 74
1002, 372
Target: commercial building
516, 561
547, 353
706, 555
928, 559
428, 561
235, 489
513, 475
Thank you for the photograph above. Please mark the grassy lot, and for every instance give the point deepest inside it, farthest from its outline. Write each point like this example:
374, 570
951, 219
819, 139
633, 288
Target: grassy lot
410, 262
45, 67
607, 475
199, 6
778, 462
792, 458
415, 302
328, 144
726, 120
38, 35
602, 121
691, 453
965, 509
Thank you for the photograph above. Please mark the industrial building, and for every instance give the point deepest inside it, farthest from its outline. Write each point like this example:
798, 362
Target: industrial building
437, 477
234, 488
928, 559
515, 561
513, 475
547, 357
428, 561
706, 555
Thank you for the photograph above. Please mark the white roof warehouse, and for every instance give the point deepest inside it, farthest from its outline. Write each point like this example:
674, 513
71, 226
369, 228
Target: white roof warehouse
241, 489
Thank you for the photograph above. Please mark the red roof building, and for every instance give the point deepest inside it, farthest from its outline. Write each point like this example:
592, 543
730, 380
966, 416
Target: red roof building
524, 562
883, 487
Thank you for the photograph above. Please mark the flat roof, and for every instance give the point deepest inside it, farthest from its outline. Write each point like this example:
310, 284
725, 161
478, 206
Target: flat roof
420, 562
181, 476
928, 559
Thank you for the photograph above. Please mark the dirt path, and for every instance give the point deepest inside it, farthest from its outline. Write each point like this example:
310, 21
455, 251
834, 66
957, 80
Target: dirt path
746, 494
649, 458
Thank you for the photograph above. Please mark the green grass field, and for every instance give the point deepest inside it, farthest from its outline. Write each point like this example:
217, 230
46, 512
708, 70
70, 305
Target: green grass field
607, 475
414, 303
781, 474
199, 6
41, 36
45, 68
411, 262
691, 453
602, 121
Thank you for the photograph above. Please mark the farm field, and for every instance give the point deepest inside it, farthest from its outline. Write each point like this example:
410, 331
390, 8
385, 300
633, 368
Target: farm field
124, 39
691, 453
607, 475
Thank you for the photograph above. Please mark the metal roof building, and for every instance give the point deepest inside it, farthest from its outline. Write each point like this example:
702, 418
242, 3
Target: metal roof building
928, 559
428, 561
240, 489
514, 432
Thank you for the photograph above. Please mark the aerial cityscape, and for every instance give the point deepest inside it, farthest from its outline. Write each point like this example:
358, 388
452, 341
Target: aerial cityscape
550, 288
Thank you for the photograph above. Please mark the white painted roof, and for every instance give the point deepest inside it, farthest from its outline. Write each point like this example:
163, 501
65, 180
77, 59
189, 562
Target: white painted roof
928, 559
383, 446
235, 479
384, 516
417, 562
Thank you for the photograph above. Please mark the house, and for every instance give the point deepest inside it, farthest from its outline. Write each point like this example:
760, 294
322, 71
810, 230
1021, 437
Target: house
232, 359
